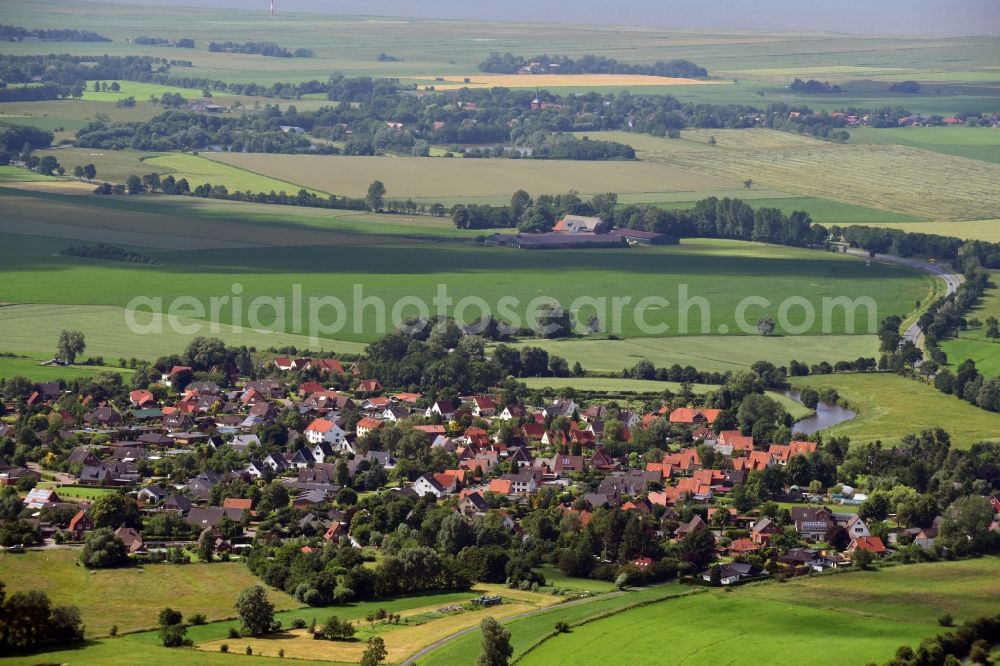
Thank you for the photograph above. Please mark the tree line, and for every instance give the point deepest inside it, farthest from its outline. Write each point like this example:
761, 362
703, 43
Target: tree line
508, 63
259, 48
16, 33
183, 43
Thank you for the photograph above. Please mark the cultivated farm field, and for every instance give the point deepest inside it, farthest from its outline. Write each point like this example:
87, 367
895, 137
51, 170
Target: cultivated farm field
430, 179
875, 176
978, 143
407, 270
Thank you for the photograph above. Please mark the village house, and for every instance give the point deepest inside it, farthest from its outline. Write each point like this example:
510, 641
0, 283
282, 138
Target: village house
324, 431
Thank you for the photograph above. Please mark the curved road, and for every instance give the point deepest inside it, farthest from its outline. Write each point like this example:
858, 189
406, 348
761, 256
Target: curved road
951, 280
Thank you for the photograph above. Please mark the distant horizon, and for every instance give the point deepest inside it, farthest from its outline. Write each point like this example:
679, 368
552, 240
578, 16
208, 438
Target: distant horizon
930, 18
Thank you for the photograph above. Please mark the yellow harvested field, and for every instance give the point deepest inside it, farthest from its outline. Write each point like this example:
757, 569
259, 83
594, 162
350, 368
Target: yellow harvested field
401, 641
561, 81
442, 178
985, 230
888, 177
54, 186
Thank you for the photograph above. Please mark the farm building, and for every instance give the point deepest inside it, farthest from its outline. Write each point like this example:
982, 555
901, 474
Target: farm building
577, 224
555, 240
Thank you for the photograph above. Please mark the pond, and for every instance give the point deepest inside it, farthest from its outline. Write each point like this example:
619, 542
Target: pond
827, 415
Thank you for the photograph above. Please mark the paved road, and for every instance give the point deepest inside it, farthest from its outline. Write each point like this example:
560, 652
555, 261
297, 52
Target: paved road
409, 661
60, 477
951, 280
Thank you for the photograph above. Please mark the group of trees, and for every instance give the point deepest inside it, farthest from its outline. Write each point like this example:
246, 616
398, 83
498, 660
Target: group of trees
260, 48
29, 621
184, 43
813, 86
16, 33
537, 214
969, 644
508, 63
108, 253
962, 254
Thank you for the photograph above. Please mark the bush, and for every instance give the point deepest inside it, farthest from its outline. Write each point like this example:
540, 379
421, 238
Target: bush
224, 648
947, 620
562, 627
233, 633
298, 623
249, 651
336, 629
197, 618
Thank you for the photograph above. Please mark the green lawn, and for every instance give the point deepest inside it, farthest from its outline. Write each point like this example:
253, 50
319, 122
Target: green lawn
131, 598
557, 579
78, 492
890, 406
863, 613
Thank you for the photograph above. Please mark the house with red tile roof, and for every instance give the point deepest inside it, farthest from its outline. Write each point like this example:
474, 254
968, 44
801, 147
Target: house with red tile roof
735, 439
872, 544
500, 486
693, 415
368, 424
141, 398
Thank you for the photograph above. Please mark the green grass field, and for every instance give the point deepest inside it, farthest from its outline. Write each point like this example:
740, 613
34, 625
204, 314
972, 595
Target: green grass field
30, 328
823, 211
890, 406
198, 170
973, 343
977, 143
394, 272
526, 632
865, 613
28, 366
130, 598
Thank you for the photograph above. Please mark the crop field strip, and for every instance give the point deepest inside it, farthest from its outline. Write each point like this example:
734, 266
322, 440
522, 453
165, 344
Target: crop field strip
877, 176
776, 272
431, 178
